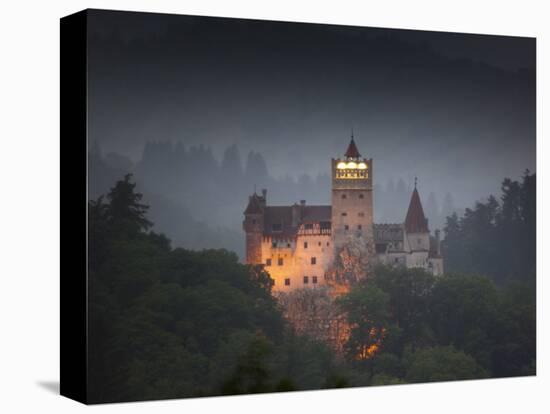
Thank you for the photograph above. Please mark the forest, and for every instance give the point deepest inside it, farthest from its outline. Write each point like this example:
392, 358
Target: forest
169, 322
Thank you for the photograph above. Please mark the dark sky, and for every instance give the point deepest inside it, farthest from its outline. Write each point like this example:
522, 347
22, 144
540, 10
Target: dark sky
456, 110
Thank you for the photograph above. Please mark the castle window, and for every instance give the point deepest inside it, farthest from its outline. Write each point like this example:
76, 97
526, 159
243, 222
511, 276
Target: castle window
268, 262
359, 227
319, 243
287, 282
361, 214
344, 196
361, 196
277, 227
306, 280
396, 260
313, 279
288, 245
280, 261
328, 244
274, 244
346, 227
308, 226
313, 260
344, 214
305, 245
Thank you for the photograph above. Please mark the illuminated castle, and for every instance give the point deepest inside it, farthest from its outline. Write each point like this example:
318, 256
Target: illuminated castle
298, 244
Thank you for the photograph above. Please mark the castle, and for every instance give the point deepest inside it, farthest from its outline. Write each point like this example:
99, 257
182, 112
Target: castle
299, 244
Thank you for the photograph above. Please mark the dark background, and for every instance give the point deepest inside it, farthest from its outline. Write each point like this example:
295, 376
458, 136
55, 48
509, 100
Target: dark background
203, 110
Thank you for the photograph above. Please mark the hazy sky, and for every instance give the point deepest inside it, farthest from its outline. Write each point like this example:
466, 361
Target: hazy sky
456, 110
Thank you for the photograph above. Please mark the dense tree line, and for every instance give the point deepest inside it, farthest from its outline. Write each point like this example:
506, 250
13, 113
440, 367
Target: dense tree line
168, 322
496, 238
427, 328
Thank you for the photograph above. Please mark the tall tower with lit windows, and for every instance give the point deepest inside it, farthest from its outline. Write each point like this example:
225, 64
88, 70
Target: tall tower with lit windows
352, 198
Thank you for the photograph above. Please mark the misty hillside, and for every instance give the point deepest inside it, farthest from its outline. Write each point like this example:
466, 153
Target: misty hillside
199, 201
292, 92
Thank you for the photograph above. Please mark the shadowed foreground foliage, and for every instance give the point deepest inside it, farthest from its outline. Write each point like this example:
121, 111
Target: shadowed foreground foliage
440, 328
172, 323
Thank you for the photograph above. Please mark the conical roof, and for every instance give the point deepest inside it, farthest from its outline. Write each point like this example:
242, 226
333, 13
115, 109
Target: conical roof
352, 151
416, 222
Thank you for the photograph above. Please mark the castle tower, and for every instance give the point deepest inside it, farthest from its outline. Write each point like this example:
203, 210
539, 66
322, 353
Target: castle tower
253, 225
417, 234
352, 198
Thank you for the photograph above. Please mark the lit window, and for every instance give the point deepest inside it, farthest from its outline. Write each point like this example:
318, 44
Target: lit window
313, 260
306, 280
287, 282
268, 262
305, 245
280, 261
313, 279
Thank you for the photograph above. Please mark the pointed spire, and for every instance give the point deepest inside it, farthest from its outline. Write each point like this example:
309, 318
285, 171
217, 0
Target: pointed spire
352, 151
416, 222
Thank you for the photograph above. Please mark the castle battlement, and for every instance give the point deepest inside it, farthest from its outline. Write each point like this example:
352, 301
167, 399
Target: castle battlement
298, 244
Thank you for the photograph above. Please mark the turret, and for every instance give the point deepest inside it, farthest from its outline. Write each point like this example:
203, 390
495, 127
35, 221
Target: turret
253, 225
416, 224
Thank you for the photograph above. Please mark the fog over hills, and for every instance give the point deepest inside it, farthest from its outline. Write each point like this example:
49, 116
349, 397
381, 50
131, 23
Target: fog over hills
204, 109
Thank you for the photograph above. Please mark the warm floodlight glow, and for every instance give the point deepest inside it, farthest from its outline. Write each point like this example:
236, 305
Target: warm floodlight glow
362, 166
341, 165
351, 165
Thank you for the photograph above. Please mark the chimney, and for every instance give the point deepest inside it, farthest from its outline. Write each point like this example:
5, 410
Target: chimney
302, 202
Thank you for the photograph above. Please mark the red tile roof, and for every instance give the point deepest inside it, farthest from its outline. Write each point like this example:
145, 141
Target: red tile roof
416, 222
352, 151
254, 205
